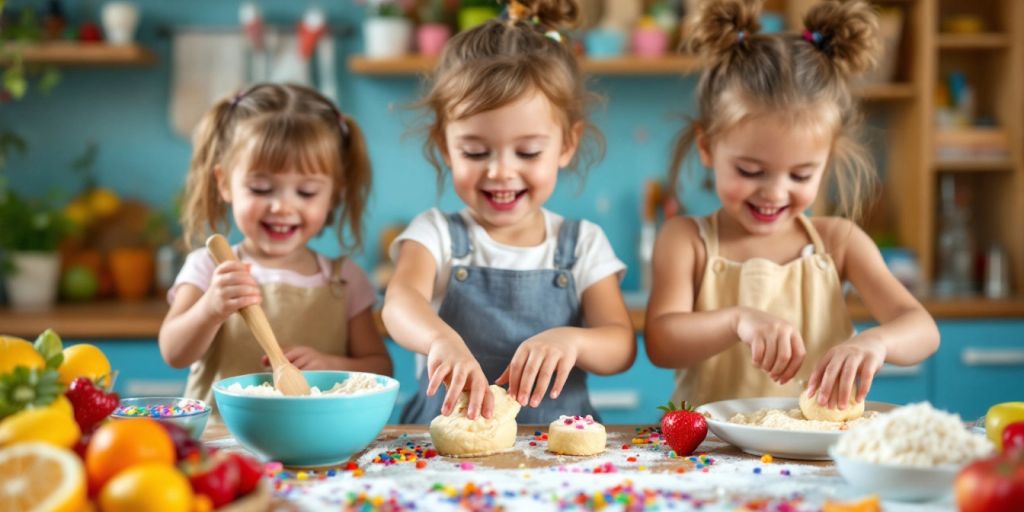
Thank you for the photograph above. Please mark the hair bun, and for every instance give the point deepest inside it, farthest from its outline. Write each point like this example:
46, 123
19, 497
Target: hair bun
553, 14
720, 25
849, 34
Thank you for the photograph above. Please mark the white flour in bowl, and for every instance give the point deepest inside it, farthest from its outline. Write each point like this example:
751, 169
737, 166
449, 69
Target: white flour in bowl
356, 383
794, 420
914, 435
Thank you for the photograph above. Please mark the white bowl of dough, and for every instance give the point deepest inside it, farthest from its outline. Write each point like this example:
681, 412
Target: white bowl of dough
774, 425
911, 453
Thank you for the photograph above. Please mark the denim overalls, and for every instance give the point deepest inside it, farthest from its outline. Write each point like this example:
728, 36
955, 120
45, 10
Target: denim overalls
494, 310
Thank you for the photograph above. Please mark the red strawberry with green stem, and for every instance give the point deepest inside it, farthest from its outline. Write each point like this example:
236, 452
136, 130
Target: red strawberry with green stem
684, 429
91, 404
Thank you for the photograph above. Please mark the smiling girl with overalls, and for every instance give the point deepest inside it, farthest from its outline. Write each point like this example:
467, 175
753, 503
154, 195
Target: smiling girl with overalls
506, 291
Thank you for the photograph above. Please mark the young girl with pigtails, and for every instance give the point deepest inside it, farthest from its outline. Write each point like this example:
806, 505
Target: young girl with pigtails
285, 164
748, 301
506, 291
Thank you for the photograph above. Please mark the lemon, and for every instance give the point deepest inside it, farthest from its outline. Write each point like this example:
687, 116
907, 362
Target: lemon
16, 352
103, 202
147, 487
48, 425
60, 404
78, 212
83, 360
38, 476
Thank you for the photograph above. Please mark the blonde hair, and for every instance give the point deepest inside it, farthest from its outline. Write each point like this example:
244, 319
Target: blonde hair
806, 77
496, 63
277, 128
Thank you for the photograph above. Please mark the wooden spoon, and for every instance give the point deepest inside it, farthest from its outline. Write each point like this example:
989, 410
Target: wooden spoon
287, 378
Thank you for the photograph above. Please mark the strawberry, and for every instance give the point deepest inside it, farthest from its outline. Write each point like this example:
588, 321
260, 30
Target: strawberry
91, 404
250, 471
684, 429
214, 476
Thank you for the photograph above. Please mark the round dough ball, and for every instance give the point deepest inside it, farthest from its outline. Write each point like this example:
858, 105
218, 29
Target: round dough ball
576, 435
812, 410
456, 435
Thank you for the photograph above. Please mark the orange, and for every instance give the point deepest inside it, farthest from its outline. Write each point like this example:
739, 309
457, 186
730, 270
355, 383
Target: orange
121, 444
46, 424
868, 504
16, 352
38, 476
83, 360
146, 488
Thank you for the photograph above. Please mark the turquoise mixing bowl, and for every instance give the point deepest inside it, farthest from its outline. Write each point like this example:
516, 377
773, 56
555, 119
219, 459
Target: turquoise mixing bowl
309, 430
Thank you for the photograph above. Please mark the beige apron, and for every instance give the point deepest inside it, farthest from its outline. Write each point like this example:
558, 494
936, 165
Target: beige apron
312, 317
806, 292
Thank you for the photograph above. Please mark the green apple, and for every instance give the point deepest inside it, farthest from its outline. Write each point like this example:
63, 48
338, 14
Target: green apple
79, 283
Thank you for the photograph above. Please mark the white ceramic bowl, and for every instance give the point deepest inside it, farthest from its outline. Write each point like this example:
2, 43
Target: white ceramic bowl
787, 444
895, 482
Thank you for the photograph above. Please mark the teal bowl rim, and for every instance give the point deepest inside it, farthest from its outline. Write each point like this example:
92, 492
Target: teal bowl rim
218, 386
206, 407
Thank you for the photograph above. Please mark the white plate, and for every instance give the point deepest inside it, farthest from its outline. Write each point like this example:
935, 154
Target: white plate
788, 444
893, 482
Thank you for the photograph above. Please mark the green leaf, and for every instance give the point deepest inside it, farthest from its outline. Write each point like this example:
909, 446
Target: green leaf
23, 387
50, 346
49, 80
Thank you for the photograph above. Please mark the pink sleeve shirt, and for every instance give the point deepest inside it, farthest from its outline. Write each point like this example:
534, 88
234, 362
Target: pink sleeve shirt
198, 271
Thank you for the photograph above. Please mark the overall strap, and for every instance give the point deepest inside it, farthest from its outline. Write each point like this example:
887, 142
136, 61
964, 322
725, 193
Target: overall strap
461, 245
819, 246
565, 251
708, 228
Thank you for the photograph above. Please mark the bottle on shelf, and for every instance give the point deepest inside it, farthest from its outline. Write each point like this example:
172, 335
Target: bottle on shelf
955, 243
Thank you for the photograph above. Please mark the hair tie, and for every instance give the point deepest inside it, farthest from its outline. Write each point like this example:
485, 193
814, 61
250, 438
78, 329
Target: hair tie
238, 97
740, 36
554, 35
815, 38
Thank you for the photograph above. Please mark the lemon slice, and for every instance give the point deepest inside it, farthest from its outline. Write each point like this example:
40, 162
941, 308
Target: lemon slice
39, 476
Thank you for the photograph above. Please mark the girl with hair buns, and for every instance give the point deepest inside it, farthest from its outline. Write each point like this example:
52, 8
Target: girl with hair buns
286, 163
757, 281
506, 291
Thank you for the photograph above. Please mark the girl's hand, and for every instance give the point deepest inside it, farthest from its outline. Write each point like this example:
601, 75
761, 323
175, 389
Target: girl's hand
835, 375
533, 365
305, 358
775, 345
231, 289
451, 362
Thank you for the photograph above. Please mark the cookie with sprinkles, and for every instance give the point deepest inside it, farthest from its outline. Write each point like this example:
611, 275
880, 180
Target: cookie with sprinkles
576, 435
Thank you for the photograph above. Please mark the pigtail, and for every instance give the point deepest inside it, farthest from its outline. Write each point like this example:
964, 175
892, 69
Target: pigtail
846, 32
722, 27
203, 210
357, 178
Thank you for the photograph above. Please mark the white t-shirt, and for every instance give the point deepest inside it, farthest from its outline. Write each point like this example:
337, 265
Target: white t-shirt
199, 265
595, 259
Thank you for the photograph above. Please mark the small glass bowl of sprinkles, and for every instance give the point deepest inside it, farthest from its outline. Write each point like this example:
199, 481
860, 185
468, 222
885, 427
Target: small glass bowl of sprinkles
188, 413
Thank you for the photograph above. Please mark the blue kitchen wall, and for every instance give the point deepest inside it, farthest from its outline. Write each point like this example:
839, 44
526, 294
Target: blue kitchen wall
126, 111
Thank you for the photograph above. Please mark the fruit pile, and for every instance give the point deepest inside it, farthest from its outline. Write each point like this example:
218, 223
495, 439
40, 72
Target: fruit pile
59, 451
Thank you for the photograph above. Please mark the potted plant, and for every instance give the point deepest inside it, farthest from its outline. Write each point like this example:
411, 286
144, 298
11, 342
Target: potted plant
387, 33
476, 12
32, 231
435, 27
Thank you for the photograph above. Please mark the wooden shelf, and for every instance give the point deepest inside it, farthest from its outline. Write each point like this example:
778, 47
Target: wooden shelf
419, 64
974, 166
112, 320
72, 53
624, 66
886, 92
983, 41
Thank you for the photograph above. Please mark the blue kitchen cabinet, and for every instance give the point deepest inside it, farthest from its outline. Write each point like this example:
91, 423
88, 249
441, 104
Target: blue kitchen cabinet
632, 397
140, 369
980, 363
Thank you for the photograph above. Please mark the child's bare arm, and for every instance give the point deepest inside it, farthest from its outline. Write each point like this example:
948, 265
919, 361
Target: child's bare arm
906, 333
674, 335
414, 324
195, 316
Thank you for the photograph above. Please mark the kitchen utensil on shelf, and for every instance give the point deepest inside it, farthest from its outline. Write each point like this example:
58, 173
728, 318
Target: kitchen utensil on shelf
287, 378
